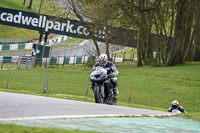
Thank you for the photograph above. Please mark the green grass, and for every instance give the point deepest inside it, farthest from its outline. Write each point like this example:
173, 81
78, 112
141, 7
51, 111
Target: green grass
73, 42
128, 53
152, 87
14, 4
11, 128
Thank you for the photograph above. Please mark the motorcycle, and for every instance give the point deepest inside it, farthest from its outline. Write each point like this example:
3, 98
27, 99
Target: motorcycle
176, 111
102, 86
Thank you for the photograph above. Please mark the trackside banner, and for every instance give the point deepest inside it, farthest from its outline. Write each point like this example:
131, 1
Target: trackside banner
44, 23
57, 25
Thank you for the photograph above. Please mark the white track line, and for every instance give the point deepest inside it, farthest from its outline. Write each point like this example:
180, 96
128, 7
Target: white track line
75, 116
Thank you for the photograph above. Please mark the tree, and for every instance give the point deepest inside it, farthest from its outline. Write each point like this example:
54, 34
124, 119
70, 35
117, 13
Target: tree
24, 2
83, 20
30, 4
183, 29
102, 15
195, 50
166, 32
138, 16
163, 25
40, 6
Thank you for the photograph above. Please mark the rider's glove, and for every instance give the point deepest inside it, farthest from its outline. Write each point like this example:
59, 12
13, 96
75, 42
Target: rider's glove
111, 76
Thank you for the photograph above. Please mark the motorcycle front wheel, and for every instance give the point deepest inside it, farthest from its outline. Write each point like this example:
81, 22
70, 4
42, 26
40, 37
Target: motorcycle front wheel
97, 95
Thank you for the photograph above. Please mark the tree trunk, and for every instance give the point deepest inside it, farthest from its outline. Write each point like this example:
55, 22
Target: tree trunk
140, 42
194, 48
139, 53
196, 55
30, 4
177, 51
186, 56
40, 7
171, 31
24, 2
97, 47
188, 38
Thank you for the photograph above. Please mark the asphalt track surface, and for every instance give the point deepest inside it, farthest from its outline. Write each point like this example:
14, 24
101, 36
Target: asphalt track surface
30, 110
85, 48
22, 107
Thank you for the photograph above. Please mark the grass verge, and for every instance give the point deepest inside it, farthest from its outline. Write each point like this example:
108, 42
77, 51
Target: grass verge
11, 128
151, 87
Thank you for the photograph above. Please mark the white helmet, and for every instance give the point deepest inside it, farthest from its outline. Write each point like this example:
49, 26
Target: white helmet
103, 58
175, 104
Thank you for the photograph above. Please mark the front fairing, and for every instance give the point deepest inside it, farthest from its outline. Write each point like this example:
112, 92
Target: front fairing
176, 111
99, 74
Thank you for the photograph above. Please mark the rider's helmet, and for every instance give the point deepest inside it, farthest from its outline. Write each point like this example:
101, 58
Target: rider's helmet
175, 104
103, 58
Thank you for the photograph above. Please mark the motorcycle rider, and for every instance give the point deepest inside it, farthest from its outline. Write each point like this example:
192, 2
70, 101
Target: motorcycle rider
111, 71
175, 106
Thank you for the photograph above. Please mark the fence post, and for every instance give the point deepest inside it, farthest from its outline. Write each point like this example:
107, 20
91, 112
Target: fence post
27, 63
133, 55
46, 85
2, 65
130, 94
46, 62
74, 59
63, 62
18, 61
40, 62
83, 59
114, 57
51, 61
124, 56
8, 80
84, 64
19, 65
86, 92
58, 61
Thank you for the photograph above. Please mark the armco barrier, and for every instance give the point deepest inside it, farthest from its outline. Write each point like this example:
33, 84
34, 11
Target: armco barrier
21, 46
30, 45
60, 60
78, 60
127, 59
118, 59
13, 47
7, 59
6, 47
15, 59
66, 60
54, 60
1, 59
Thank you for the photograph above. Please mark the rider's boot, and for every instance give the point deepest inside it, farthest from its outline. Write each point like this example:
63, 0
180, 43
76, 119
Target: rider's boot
114, 98
115, 91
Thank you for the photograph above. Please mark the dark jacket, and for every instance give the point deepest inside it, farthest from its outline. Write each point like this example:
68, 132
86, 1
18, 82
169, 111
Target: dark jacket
109, 66
181, 109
